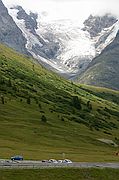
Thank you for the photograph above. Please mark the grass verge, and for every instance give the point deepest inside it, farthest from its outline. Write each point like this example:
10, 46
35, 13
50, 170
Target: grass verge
60, 174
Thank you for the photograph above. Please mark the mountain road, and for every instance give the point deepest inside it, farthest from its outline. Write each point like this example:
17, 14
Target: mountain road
29, 164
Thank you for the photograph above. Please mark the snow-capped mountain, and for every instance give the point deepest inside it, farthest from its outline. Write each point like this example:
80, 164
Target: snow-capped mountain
102, 30
103, 70
63, 45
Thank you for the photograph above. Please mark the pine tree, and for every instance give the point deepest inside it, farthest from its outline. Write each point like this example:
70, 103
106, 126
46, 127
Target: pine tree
28, 100
76, 102
89, 105
43, 119
9, 83
2, 99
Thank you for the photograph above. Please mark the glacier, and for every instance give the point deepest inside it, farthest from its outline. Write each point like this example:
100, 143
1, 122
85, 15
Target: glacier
75, 47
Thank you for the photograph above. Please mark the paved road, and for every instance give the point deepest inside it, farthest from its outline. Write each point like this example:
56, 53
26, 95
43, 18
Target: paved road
38, 164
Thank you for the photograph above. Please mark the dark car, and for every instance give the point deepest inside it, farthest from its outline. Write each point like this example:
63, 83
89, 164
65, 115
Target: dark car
18, 158
44, 161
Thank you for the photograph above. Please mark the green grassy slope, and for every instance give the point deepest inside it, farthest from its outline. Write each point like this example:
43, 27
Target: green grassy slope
60, 174
76, 116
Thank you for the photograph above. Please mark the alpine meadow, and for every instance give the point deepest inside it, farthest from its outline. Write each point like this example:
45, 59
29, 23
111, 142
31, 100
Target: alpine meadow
43, 115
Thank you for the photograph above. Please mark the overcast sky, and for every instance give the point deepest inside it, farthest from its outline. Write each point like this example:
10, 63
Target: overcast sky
68, 9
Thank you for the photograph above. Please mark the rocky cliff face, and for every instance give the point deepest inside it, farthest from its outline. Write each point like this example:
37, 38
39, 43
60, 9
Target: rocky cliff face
10, 34
30, 20
36, 45
102, 29
95, 24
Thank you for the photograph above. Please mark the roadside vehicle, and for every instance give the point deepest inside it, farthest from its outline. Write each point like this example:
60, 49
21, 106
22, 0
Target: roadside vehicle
60, 161
17, 158
53, 161
44, 160
67, 161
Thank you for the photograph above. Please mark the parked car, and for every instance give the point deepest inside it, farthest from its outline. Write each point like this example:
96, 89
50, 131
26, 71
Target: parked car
17, 158
67, 161
44, 160
60, 161
53, 161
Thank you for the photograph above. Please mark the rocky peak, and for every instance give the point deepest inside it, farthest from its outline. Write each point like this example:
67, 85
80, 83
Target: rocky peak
95, 24
36, 44
10, 34
30, 20
2, 7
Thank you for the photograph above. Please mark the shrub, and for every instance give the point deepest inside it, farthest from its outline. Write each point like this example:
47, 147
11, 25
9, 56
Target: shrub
9, 83
76, 102
28, 100
62, 119
2, 99
89, 105
39, 105
43, 119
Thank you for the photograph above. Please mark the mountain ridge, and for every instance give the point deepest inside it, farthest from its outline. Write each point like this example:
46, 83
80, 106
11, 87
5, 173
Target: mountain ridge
10, 34
103, 70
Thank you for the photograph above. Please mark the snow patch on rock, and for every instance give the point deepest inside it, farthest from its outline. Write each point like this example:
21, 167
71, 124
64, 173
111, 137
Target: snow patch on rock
31, 39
